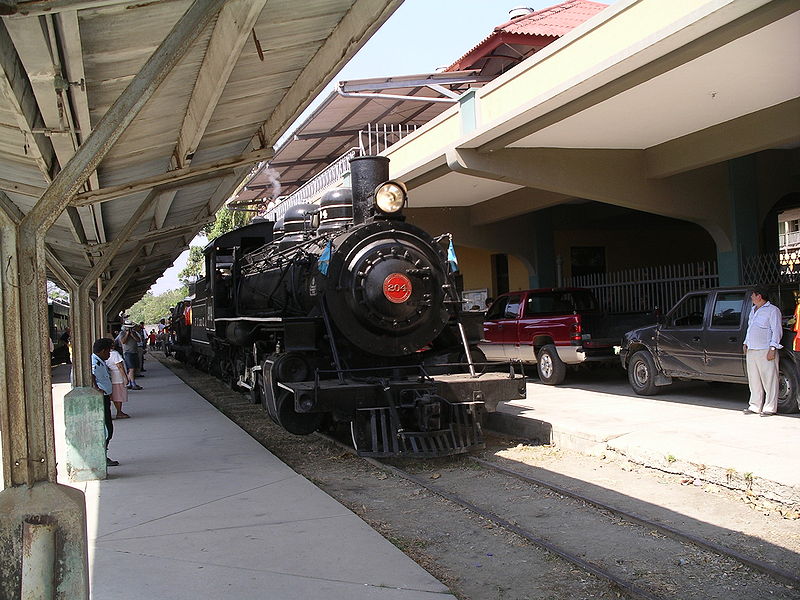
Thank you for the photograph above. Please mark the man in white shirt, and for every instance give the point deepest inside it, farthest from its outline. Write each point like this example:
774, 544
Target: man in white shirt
761, 345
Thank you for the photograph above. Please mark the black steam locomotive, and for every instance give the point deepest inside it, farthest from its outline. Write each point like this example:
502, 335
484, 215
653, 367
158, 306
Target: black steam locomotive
345, 313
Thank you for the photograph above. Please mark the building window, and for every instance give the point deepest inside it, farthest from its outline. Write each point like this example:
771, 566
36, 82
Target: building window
587, 260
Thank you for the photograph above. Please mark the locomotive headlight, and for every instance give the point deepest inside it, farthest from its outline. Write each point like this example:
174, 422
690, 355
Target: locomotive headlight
390, 196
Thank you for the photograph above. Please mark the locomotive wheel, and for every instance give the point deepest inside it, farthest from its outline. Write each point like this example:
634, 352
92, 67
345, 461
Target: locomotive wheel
294, 422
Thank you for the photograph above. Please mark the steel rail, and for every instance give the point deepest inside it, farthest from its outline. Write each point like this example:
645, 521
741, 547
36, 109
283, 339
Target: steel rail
590, 567
676, 534
626, 586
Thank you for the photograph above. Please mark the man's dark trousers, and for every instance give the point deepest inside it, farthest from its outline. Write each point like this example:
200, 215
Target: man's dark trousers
107, 418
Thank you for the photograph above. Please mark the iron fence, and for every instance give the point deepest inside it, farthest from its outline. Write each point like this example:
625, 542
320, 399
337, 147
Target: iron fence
328, 177
789, 241
372, 140
647, 288
777, 269
376, 138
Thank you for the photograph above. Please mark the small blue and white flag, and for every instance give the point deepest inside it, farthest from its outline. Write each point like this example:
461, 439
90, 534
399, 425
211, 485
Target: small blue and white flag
324, 260
452, 261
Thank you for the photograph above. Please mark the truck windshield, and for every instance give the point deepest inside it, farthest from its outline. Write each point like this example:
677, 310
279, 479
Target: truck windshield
559, 302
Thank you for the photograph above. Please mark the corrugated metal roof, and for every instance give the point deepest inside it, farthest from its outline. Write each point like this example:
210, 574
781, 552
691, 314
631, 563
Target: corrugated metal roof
237, 89
551, 22
341, 123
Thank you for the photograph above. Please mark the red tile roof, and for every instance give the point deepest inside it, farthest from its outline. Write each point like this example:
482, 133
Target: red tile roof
556, 20
552, 22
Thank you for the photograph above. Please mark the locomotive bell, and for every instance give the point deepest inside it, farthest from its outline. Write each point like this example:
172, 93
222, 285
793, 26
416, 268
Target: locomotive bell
366, 174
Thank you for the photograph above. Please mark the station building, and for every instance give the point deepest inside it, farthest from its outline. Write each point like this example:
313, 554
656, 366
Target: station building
643, 135
591, 145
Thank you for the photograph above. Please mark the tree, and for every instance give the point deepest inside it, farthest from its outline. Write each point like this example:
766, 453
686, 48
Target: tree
151, 309
227, 220
194, 266
56, 293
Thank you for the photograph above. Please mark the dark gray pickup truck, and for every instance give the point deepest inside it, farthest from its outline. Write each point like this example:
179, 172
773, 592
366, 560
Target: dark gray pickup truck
701, 338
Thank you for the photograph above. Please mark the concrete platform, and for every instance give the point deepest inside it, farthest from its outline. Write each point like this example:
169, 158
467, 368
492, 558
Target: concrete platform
691, 428
198, 509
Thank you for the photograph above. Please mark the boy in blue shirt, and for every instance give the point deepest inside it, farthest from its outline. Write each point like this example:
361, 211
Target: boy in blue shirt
101, 380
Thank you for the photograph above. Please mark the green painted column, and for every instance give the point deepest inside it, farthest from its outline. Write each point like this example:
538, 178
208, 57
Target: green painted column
545, 259
65, 508
85, 434
468, 109
743, 195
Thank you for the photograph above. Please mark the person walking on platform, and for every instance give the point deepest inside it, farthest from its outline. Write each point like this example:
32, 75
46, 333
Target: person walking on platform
101, 380
66, 337
119, 380
140, 331
130, 353
761, 345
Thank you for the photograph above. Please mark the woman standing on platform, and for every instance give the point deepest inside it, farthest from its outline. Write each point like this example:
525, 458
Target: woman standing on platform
119, 380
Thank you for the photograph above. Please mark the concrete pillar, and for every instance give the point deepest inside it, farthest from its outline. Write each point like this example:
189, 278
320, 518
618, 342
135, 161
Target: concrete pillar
99, 312
743, 196
26, 410
63, 507
468, 109
85, 434
82, 338
545, 259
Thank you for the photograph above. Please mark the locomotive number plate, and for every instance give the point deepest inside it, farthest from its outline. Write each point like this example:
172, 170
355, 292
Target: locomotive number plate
397, 288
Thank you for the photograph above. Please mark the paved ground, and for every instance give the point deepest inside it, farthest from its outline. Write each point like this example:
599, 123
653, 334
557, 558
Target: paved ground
198, 509
691, 427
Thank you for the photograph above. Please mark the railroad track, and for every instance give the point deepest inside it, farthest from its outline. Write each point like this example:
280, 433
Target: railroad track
464, 483
776, 583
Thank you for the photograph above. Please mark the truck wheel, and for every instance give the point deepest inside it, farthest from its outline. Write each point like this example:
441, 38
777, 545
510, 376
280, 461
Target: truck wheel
788, 399
642, 373
552, 369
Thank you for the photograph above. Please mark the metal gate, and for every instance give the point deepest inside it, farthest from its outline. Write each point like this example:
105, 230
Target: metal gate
778, 269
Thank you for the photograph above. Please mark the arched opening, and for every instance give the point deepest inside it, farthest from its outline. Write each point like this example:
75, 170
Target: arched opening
592, 238
779, 261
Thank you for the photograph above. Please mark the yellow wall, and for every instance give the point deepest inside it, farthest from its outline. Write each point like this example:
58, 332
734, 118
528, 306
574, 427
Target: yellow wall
476, 267
517, 275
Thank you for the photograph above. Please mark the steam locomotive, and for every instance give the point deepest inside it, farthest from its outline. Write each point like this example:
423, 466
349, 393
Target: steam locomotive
345, 313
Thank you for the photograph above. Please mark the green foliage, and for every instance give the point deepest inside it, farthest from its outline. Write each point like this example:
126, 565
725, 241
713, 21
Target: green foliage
151, 309
226, 220
194, 266
56, 293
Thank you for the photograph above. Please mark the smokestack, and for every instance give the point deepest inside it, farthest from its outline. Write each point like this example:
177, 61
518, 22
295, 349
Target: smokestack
366, 173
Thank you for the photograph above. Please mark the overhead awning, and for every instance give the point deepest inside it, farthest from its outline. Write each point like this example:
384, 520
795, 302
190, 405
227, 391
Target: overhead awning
246, 77
358, 113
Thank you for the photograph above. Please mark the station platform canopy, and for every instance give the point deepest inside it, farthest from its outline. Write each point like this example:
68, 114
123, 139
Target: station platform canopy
244, 79
369, 114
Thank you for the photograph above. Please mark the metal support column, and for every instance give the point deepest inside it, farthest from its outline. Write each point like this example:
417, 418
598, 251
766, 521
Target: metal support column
99, 317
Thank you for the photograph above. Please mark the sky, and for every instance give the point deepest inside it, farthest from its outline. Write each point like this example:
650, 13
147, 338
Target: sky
421, 36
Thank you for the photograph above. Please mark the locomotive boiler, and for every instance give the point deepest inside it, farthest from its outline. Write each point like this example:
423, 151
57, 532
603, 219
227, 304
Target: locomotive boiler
346, 313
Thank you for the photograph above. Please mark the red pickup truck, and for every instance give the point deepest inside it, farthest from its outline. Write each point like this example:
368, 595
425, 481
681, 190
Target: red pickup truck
553, 328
